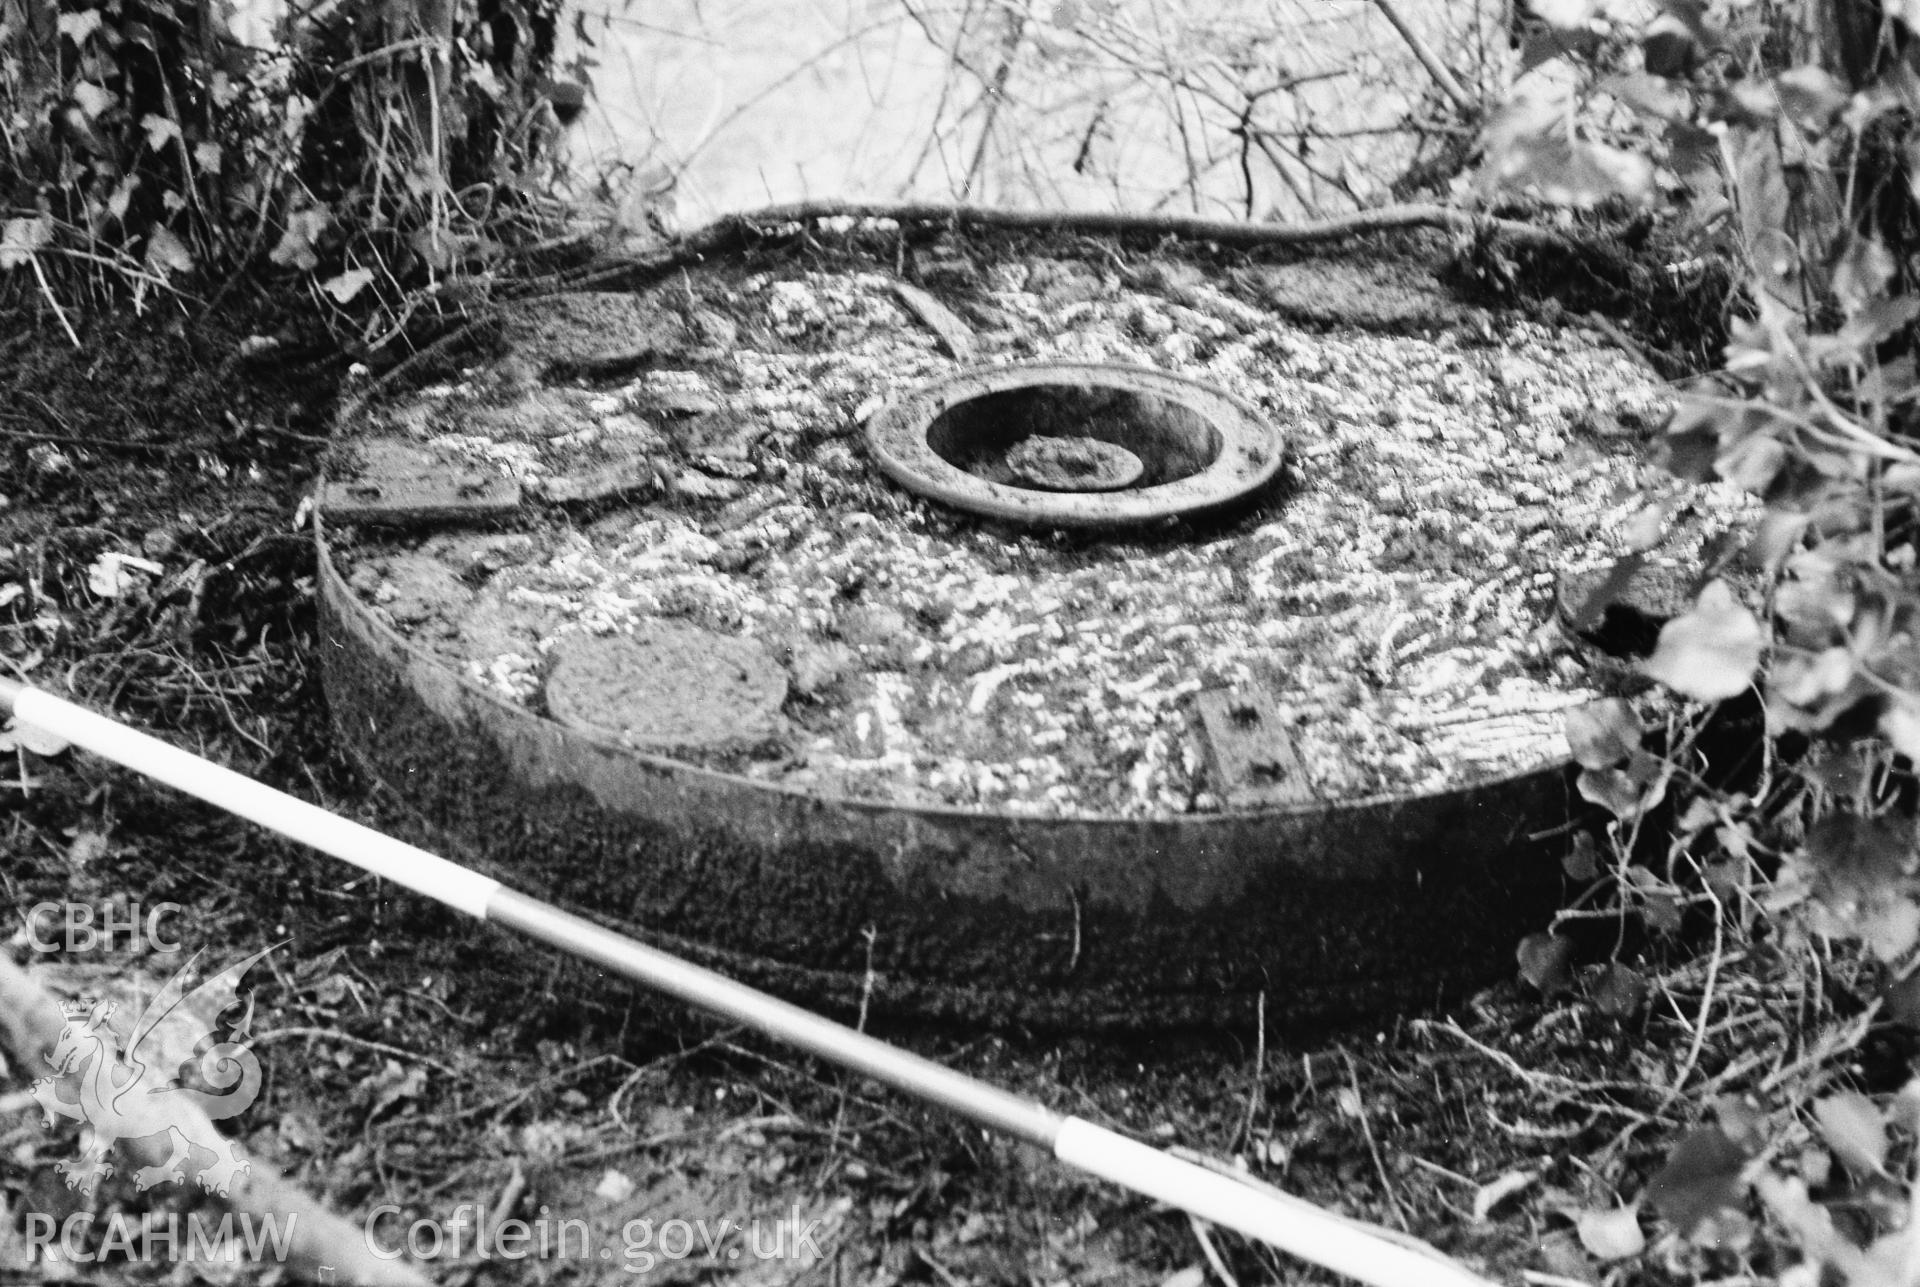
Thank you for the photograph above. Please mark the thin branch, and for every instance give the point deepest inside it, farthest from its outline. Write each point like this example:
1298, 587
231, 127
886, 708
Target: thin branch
1226, 232
1442, 77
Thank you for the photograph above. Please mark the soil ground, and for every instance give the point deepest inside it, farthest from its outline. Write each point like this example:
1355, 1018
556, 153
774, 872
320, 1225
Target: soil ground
403, 1070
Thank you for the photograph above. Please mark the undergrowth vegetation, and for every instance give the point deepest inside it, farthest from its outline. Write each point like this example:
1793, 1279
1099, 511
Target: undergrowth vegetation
1772, 819
161, 145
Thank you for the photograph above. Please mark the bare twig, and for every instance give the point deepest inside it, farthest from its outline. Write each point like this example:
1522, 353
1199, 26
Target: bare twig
40, 275
378, 1047
1226, 232
1706, 1006
1442, 77
1531, 1076
1256, 1094
1207, 1249
996, 94
1283, 1197
1373, 1146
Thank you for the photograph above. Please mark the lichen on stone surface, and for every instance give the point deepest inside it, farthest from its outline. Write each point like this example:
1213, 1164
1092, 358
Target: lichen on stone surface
1389, 595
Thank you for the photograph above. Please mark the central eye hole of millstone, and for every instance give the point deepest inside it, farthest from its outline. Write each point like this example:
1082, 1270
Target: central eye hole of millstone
1073, 438
1074, 444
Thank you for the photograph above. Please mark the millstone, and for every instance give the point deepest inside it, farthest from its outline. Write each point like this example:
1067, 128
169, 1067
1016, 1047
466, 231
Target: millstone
1074, 465
603, 332
667, 685
1050, 761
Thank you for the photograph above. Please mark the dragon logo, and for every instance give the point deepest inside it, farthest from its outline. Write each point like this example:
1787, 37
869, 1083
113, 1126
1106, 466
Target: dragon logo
132, 1094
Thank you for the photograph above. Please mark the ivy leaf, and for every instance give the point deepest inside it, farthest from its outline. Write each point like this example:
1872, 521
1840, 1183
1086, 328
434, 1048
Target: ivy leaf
1624, 794
568, 97
1851, 1125
1752, 463
1582, 862
437, 247
1753, 104
1603, 733
256, 23
1899, 722
1543, 45
1817, 601
1689, 454
1564, 15
122, 196
348, 284
1704, 422
1700, 1180
1674, 38
1901, 1001
30, 737
1856, 858
20, 238
1777, 537
114, 575
1619, 991
1741, 1120
91, 99
1600, 171
1612, 790
1811, 96
1699, 814
1667, 48
1653, 95
1711, 652
1765, 198
1890, 928
1860, 277
1694, 154
208, 157
296, 246
167, 254
1877, 320
160, 130
1811, 682
78, 26
1660, 910
1546, 961
1611, 1235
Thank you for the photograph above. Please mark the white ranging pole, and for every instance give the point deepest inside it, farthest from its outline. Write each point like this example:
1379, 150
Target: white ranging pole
1359, 1251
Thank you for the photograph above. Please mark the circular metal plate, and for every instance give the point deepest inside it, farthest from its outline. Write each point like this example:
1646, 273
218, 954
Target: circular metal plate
668, 684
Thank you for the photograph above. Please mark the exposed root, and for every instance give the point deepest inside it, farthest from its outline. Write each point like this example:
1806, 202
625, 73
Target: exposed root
753, 225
